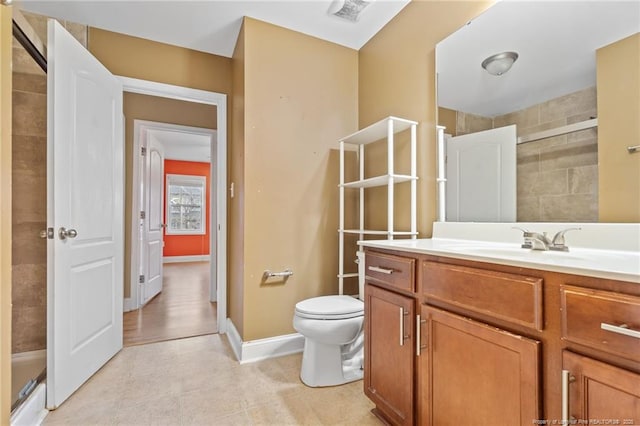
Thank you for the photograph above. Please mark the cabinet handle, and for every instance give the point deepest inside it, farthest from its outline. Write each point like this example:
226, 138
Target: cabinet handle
401, 326
566, 379
620, 329
419, 323
381, 270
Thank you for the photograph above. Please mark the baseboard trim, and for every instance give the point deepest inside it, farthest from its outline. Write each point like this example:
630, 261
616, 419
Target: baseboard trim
258, 350
128, 305
178, 259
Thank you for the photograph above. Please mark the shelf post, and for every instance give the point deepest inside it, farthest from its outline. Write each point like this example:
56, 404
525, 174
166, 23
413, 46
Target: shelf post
390, 183
414, 221
442, 180
361, 203
341, 224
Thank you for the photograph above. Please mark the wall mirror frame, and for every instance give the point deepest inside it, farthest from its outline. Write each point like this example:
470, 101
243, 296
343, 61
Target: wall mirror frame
566, 153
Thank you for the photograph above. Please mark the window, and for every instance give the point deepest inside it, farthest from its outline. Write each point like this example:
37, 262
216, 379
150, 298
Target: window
186, 204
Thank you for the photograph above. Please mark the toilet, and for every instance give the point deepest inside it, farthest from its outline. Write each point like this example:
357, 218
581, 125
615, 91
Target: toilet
334, 339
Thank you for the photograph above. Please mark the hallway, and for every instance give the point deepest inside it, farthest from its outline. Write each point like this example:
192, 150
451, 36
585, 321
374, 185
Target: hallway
181, 310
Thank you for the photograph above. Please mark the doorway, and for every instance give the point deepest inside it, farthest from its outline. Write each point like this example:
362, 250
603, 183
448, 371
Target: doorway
217, 192
175, 295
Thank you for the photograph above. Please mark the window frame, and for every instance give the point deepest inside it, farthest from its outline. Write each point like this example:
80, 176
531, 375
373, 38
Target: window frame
186, 180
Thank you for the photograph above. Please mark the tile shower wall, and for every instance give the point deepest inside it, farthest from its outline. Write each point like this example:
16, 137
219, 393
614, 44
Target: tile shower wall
29, 190
557, 177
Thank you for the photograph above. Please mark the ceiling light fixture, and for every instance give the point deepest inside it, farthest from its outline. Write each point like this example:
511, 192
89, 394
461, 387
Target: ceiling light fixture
499, 63
348, 9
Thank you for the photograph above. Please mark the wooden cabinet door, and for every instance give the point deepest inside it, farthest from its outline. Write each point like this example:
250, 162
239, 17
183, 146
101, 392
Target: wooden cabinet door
475, 374
600, 393
389, 356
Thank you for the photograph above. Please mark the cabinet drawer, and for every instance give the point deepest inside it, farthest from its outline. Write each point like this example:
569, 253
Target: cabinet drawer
510, 297
393, 270
602, 320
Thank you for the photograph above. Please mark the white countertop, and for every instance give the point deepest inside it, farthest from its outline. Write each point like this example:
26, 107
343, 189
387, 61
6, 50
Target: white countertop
621, 265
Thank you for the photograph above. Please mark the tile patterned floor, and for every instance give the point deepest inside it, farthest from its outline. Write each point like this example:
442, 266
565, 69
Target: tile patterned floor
197, 381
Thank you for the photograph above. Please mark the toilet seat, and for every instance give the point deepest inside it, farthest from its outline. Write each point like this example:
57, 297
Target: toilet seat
330, 308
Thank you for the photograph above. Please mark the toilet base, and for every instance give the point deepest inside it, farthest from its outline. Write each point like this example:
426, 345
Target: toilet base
323, 365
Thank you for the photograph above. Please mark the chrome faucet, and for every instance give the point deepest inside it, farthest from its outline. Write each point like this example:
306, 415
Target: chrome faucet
538, 241
535, 240
558, 242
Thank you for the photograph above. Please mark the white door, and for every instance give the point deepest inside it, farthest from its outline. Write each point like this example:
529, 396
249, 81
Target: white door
153, 193
481, 176
85, 184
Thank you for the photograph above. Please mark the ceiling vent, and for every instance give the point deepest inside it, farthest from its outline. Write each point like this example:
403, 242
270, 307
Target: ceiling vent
348, 9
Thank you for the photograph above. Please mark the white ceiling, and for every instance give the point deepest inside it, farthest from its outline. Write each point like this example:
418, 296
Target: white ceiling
213, 25
556, 41
185, 144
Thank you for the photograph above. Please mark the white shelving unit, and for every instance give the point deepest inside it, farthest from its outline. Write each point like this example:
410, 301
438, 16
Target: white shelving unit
383, 130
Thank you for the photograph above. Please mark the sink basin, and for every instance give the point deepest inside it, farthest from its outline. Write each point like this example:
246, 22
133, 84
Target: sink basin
523, 253
579, 256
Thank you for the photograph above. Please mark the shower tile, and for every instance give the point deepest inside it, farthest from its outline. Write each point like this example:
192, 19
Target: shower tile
527, 159
569, 105
529, 209
29, 114
583, 180
523, 119
554, 182
29, 153
30, 285
24, 64
29, 201
38, 23
26, 246
78, 31
30, 83
569, 155
29, 330
569, 208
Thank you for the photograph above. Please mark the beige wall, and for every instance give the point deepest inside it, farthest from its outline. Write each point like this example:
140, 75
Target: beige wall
618, 79
5, 213
397, 77
29, 203
163, 110
135, 57
300, 96
235, 253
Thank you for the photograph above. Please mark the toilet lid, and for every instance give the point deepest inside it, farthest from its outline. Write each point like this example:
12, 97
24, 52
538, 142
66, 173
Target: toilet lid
330, 307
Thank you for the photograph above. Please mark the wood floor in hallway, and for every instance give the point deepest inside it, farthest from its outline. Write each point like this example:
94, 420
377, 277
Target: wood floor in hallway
182, 309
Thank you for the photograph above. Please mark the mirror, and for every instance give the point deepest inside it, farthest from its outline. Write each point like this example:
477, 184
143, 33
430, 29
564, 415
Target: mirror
551, 93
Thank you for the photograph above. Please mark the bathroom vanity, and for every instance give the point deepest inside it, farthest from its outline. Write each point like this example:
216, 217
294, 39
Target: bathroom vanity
461, 332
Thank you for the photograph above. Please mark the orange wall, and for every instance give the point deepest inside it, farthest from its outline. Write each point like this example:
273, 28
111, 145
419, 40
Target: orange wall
187, 245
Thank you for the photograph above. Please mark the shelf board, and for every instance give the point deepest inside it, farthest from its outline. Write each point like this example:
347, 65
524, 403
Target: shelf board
375, 232
352, 275
378, 181
378, 131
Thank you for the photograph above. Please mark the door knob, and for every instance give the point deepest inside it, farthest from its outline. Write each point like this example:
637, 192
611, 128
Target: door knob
65, 233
